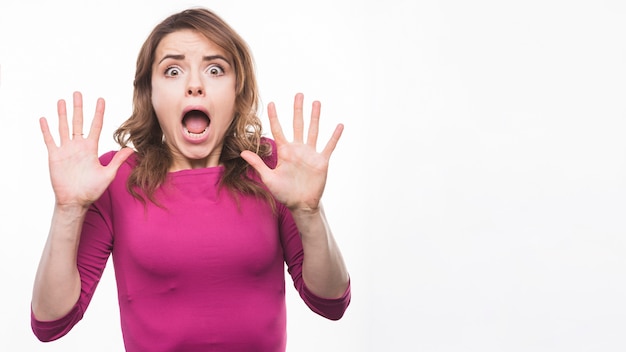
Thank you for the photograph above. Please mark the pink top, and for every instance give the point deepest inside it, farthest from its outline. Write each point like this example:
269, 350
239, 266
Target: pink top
203, 273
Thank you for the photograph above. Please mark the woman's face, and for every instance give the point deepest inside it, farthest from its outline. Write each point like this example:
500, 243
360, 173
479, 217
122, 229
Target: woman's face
193, 95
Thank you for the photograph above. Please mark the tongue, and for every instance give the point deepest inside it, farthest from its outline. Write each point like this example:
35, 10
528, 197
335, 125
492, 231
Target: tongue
196, 122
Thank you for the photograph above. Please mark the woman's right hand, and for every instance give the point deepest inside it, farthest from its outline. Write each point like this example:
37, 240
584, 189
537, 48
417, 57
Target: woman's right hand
78, 178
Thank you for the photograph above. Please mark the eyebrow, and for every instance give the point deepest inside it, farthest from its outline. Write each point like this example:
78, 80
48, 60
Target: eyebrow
205, 58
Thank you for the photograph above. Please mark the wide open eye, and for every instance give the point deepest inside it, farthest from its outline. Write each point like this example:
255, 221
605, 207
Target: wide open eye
215, 70
172, 71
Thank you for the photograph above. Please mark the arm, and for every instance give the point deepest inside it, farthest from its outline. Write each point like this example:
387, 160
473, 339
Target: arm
94, 249
298, 182
291, 240
78, 179
323, 269
57, 282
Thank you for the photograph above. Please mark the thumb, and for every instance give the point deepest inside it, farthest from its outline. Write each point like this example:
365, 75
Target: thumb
256, 162
120, 157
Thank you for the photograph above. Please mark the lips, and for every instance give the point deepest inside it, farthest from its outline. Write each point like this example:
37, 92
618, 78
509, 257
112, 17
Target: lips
195, 123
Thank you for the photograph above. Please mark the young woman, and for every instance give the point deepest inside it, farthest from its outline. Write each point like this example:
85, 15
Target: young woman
199, 211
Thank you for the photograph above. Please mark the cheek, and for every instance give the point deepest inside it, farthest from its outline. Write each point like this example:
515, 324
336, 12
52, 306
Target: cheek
158, 105
158, 98
161, 89
154, 92
229, 98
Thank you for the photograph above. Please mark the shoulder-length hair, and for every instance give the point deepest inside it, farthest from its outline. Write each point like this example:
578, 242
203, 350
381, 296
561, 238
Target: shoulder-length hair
142, 130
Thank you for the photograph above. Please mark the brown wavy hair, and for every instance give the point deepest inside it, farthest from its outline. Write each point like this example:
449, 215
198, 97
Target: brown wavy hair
142, 130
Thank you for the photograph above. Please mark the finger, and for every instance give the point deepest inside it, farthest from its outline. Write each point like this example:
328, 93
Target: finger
47, 136
277, 130
256, 162
332, 143
64, 132
314, 124
298, 119
77, 117
96, 123
119, 158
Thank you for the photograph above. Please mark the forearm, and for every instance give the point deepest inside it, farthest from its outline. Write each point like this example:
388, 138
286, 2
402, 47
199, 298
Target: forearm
323, 270
57, 282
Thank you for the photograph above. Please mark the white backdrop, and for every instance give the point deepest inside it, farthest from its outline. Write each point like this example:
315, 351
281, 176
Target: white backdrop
478, 192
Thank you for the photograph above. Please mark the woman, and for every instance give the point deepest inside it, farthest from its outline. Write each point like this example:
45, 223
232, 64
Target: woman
199, 212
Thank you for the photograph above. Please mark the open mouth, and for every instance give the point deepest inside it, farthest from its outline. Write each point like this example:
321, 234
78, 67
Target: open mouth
196, 123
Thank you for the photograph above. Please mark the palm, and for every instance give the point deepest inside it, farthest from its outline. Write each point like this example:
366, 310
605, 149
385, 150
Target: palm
299, 178
76, 174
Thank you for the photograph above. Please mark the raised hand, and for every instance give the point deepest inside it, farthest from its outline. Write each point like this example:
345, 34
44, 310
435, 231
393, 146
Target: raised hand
76, 174
299, 178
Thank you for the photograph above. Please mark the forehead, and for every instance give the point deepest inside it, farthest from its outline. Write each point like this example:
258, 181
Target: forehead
187, 42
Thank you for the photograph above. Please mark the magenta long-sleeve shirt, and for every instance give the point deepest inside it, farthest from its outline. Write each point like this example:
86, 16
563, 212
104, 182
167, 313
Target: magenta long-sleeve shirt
205, 272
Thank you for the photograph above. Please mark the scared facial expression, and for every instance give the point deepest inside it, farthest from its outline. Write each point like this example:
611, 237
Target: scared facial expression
193, 95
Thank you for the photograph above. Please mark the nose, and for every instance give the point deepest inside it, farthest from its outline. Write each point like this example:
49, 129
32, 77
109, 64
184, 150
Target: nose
194, 86
195, 90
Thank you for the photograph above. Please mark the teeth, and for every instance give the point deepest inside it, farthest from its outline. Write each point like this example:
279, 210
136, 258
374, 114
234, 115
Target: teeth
196, 135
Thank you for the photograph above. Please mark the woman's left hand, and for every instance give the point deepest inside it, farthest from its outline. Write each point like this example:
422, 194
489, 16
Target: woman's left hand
299, 178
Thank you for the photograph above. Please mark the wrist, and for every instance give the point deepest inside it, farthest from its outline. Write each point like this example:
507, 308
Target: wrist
306, 211
71, 209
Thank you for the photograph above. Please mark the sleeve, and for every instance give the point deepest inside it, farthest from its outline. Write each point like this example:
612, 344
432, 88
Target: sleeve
96, 243
332, 309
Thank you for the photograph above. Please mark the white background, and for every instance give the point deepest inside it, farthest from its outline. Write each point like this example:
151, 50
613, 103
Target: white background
478, 193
